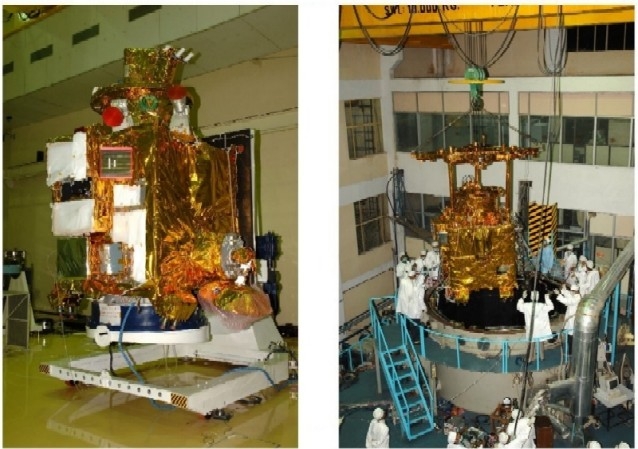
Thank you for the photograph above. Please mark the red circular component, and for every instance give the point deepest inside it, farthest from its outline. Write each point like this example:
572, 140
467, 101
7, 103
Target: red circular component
176, 92
112, 116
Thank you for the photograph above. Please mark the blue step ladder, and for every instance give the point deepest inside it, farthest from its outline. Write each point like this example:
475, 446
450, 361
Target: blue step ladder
409, 386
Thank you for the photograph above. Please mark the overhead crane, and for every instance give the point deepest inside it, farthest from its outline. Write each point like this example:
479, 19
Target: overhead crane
428, 25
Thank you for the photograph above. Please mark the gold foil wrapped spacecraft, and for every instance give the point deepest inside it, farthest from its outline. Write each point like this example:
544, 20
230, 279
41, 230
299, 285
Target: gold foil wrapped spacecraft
480, 252
190, 206
480, 249
190, 193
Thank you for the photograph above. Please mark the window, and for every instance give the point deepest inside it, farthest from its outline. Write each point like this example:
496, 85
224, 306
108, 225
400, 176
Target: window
425, 130
420, 210
418, 131
613, 141
370, 216
618, 36
363, 124
536, 129
571, 226
580, 140
406, 130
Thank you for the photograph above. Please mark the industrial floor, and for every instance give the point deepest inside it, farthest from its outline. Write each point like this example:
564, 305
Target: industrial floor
42, 411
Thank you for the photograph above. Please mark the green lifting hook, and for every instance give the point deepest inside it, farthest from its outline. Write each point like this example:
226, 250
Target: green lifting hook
476, 89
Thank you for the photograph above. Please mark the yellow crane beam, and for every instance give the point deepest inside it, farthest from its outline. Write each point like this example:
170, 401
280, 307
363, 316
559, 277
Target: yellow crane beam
390, 22
14, 23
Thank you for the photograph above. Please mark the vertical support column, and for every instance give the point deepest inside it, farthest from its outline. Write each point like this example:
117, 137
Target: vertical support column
614, 335
508, 184
523, 203
376, 334
451, 168
477, 174
377, 369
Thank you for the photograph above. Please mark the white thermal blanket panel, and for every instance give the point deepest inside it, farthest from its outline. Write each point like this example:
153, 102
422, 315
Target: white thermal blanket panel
125, 195
66, 160
72, 218
130, 228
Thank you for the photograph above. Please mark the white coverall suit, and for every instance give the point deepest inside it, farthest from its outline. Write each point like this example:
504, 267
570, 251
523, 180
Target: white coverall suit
542, 326
378, 434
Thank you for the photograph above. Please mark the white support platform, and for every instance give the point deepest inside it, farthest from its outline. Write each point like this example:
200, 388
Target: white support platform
248, 348
68, 419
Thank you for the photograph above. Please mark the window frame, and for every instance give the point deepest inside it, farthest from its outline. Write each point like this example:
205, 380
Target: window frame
363, 220
370, 125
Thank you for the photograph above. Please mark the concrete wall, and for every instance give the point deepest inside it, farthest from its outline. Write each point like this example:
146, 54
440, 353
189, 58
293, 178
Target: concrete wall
519, 60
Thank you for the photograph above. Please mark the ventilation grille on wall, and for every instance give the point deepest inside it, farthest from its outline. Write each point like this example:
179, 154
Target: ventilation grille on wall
42, 53
7, 68
140, 11
85, 34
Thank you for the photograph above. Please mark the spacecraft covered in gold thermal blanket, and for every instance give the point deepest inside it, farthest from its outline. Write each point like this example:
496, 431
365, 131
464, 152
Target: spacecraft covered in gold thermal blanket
475, 232
480, 250
156, 202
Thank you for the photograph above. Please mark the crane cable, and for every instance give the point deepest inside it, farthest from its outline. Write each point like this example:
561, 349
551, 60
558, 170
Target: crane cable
400, 46
503, 47
559, 55
552, 136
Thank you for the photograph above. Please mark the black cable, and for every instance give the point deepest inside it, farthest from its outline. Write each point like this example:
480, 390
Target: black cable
503, 47
111, 358
545, 196
371, 12
561, 45
374, 45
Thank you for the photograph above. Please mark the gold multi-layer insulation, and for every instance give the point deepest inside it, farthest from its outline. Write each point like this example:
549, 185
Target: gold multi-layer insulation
190, 198
479, 250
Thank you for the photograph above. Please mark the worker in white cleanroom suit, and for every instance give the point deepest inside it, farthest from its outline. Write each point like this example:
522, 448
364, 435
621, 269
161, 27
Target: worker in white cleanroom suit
536, 315
432, 262
593, 276
569, 260
422, 272
525, 433
420, 262
601, 354
571, 279
581, 269
503, 438
570, 298
378, 431
403, 267
593, 445
410, 302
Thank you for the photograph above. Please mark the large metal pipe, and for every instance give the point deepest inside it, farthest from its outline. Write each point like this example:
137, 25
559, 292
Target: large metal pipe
578, 387
585, 340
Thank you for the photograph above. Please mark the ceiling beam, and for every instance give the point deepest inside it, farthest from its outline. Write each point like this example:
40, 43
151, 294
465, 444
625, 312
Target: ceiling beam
429, 41
391, 22
14, 23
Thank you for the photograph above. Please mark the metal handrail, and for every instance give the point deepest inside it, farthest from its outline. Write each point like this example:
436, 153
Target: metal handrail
348, 351
391, 371
498, 342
